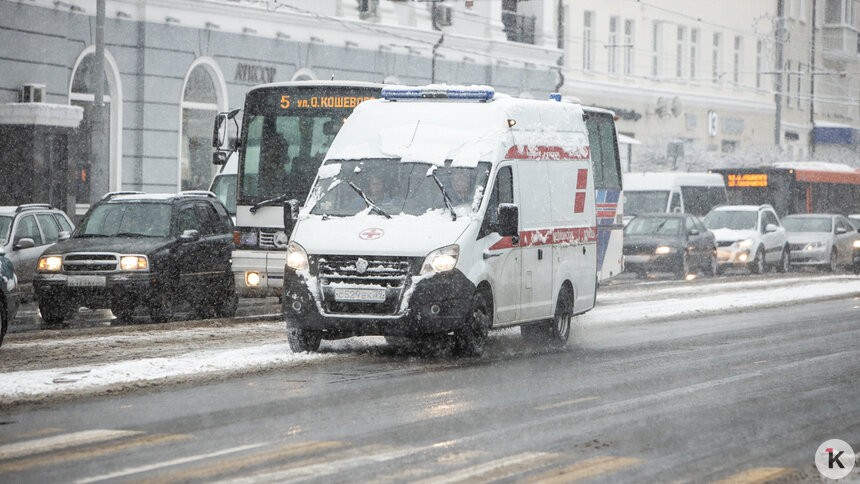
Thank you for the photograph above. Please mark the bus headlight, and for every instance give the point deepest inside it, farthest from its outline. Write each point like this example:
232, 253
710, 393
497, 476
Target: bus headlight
51, 263
133, 263
441, 260
297, 258
663, 250
252, 279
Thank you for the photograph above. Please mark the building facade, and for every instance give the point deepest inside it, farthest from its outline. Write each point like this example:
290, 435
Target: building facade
171, 65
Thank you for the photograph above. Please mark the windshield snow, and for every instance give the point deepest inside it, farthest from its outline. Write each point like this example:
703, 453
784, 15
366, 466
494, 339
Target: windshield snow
668, 226
144, 219
806, 224
395, 187
734, 220
645, 202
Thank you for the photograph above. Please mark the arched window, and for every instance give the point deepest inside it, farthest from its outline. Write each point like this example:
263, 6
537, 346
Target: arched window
82, 93
202, 98
304, 75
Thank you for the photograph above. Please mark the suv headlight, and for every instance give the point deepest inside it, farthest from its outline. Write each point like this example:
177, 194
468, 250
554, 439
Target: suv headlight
857, 244
743, 244
663, 249
133, 263
818, 244
441, 260
297, 258
51, 263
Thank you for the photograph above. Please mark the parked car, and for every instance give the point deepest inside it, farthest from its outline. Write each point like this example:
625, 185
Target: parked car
136, 249
677, 243
822, 240
26, 231
9, 293
748, 236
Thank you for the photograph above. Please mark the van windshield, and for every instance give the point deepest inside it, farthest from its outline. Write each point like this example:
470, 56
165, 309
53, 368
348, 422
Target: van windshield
648, 201
395, 187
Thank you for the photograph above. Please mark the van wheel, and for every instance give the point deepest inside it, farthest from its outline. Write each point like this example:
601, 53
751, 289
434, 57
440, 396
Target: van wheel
304, 339
555, 332
757, 265
470, 340
161, 307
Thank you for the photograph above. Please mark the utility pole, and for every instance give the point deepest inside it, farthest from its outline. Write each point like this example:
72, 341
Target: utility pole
99, 171
779, 37
812, 83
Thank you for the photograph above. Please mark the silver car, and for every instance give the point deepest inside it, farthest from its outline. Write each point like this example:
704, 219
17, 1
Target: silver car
823, 240
26, 231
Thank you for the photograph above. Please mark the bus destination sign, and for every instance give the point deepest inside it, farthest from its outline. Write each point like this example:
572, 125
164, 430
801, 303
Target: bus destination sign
747, 180
292, 101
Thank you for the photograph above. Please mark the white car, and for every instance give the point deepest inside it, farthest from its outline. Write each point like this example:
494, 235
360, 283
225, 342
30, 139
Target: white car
748, 236
823, 240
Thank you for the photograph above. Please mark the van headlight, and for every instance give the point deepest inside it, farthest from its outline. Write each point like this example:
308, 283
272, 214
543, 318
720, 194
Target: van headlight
133, 263
441, 260
51, 263
745, 243
297, 258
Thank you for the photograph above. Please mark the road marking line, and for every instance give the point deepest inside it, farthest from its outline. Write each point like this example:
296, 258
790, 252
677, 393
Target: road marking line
566, 403
35, 433
69, 455
46, 444
756, 476
498, 468
238, 463
136, 470
583, 470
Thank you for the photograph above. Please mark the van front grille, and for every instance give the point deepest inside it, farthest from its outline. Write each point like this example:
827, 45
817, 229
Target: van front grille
389, 274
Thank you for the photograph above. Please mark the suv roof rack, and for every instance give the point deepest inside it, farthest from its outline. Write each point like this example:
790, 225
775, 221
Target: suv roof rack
197, 193
33, 206
110, 195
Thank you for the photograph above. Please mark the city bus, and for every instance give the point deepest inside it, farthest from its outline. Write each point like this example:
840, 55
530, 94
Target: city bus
796, 187
603, 142
286, 129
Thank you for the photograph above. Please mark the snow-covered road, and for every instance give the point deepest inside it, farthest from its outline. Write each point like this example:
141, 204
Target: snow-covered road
57, 364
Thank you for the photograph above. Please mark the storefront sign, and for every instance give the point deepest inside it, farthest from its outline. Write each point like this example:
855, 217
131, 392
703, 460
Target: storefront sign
254, 74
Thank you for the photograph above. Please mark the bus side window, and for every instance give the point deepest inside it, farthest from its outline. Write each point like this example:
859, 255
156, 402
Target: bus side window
675, 206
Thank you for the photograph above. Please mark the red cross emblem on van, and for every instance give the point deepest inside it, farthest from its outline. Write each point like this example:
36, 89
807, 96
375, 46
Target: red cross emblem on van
371, 234
581, 184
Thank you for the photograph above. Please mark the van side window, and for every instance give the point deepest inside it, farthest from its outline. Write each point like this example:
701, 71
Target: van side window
676, 203
503, 192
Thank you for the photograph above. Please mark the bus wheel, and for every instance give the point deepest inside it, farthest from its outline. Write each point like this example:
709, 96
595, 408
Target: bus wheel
470, 340
304, 339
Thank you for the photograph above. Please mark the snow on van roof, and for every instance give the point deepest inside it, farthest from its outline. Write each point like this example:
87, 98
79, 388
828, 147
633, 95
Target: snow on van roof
436, 130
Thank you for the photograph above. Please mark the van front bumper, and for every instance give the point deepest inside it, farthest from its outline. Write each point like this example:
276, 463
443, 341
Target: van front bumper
433, 305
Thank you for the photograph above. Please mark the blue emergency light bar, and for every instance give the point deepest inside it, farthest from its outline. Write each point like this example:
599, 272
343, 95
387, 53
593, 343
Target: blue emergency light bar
432, 92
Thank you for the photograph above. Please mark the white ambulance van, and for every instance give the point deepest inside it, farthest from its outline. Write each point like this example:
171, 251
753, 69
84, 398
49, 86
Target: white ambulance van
446, 210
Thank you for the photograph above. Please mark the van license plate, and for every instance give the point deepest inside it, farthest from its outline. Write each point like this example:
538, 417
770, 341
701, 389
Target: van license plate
359, 295
86, 281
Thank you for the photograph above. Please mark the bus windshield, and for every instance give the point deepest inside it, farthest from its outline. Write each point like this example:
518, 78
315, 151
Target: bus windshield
397, 188
287, 132
651, 201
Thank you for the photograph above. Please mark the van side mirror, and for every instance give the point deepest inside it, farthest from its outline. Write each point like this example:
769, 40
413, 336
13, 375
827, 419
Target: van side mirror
509, 219
64, 235
291, 214
770, 228
190, 235
24, 243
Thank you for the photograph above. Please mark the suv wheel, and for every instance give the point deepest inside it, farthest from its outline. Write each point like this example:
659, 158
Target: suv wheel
684, 268
834, 264
304, 339
712, 270
160, 307
123, 310
3, 322
784, 261
53, 312
470, 340
227, 300
757, 264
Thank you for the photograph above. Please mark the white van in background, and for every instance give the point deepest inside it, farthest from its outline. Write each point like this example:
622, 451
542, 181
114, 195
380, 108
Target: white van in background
224, 184
658, 192
444, 210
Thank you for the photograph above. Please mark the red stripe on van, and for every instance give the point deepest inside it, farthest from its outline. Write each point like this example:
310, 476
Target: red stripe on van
531, 238
521, 152
582, 179
579, 203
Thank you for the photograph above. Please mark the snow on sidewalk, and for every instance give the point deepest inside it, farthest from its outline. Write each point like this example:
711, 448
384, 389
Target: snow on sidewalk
615, 306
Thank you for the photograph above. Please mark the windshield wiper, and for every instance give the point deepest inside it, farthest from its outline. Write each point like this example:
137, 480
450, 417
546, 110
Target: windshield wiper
91, 235
271, 201
368, 201
448, 202
132, 234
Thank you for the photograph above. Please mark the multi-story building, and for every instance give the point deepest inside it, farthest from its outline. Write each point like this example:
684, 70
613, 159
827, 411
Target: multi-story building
171, 65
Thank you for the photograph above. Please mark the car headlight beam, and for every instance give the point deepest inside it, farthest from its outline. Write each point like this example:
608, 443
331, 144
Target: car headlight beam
663, 250
441, 260
51, 263
297, 258
133, 263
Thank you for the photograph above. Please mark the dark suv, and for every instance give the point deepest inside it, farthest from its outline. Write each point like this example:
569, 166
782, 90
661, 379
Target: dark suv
136, 249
